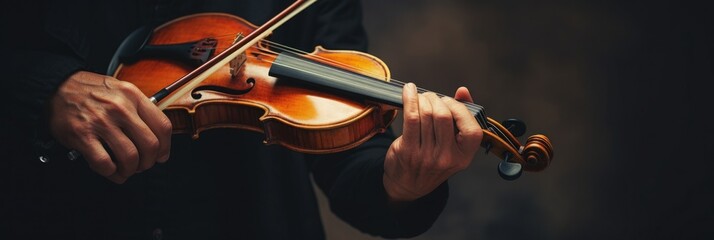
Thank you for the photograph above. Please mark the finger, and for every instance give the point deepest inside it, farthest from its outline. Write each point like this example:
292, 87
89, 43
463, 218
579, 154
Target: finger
126, 156
143, 138
97, 157
159, 124
117, 178
442, 119
463, 94
411, 125
427, 123
470, 133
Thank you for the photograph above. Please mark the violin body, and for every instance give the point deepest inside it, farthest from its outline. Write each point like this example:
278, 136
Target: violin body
299, 118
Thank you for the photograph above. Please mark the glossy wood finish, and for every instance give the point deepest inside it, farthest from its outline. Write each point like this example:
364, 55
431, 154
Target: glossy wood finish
534, 156
301, 119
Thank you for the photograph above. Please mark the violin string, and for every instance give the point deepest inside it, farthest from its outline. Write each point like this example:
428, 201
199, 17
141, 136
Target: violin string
289, 49
376, 83
395, 92
475, 109
281, 47
392, 82
286, 48
353, 86
345, 66
382, 90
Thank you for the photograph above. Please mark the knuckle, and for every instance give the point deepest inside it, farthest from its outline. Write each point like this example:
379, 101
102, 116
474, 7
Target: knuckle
123, 85
443, 165
427, 112
411, 118
119, 108
131, 89
79, 130
113, 83
113, 105
443, 116
102, 165
132, 156
473, 133
129, 164
153, 145
104, 122
165, 126
452, 103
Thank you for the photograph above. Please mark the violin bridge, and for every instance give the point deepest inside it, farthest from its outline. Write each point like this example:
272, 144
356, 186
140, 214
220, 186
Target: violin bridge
237, 63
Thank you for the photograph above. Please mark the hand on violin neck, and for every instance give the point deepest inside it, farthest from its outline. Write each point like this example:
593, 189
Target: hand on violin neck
91, 111
430, 150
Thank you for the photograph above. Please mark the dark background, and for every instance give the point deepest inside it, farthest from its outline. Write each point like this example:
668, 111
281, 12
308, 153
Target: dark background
621, 88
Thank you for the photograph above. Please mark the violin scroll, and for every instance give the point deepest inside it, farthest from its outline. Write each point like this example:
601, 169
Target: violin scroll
533, 156
538, 152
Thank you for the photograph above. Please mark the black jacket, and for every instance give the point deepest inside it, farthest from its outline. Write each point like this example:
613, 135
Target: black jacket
226, 185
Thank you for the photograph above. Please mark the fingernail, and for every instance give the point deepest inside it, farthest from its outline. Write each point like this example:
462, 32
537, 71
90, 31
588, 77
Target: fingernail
411, 87
164, 158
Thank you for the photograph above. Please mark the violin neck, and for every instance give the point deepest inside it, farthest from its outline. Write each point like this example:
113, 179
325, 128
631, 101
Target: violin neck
292, 66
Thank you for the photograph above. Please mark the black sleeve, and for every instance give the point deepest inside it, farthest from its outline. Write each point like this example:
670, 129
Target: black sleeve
34, 84
37, 63
352, 180
340, 25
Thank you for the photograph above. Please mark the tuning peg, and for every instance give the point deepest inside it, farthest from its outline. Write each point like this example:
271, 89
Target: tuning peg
487, 147
515, 126
509, 170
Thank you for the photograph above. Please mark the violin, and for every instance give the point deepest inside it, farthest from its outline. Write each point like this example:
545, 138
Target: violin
325, 101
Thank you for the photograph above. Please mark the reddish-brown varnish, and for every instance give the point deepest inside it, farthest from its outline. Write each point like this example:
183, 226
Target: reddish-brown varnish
301, 118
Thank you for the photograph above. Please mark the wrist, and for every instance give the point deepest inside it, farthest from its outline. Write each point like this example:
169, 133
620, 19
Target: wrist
397, 193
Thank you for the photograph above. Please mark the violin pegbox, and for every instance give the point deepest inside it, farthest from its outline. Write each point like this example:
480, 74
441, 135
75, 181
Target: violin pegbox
500, 139
515, 126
